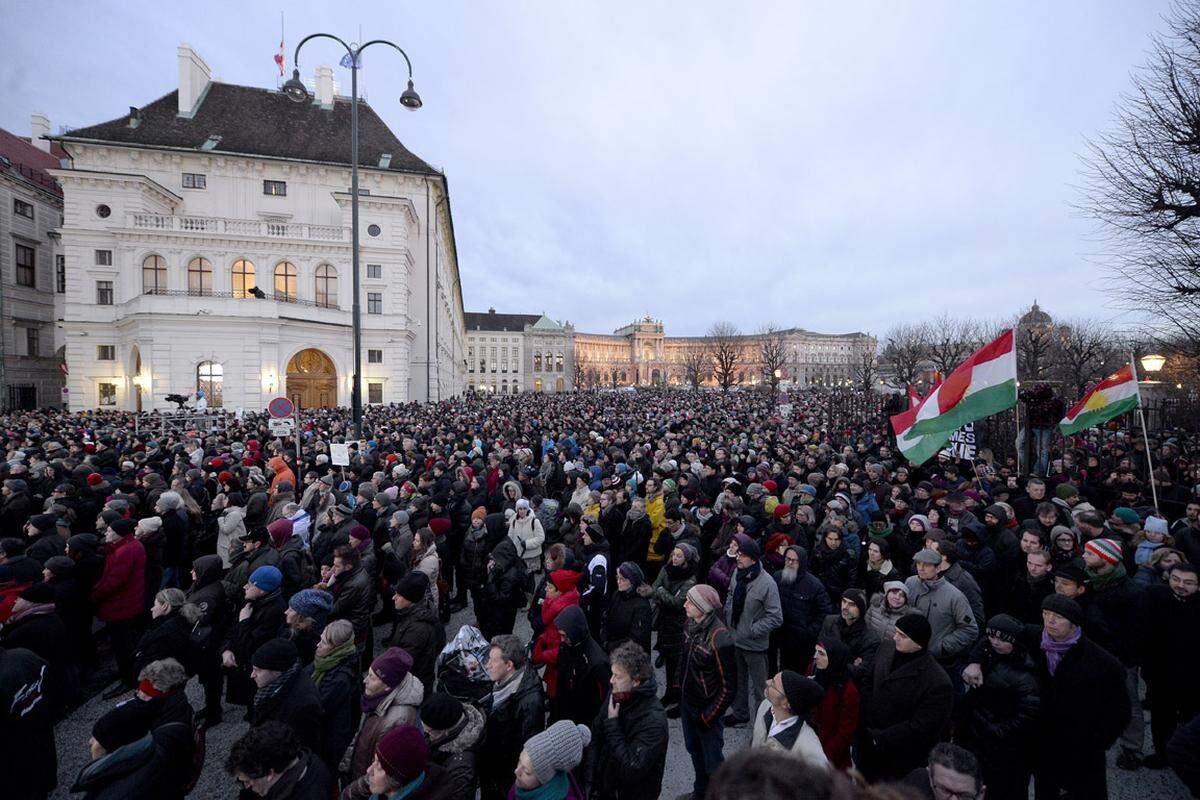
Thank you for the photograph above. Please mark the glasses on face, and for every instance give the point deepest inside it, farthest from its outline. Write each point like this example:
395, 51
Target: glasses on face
791, 560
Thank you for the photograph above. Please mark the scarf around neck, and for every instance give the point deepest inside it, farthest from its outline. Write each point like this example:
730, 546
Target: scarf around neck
505, 690
1056, 650
323, 664
272, 688
744, 577
554, 789
1099, 581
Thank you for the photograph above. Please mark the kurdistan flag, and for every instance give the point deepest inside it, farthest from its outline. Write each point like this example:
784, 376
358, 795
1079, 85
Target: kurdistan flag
1110, 398
984, 384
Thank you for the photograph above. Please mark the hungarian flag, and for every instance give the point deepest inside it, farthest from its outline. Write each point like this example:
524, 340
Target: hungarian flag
1110, 398
914, 399
984, 384
279, 57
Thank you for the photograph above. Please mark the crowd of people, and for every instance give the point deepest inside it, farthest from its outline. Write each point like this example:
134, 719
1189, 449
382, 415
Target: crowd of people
882, 630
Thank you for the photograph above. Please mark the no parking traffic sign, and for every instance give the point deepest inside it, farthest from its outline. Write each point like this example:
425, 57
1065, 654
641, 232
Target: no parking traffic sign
280, 407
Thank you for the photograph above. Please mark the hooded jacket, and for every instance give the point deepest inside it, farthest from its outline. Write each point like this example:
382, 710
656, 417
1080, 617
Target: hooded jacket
457, 752
421, 634
582, 670
804, 603
630, 750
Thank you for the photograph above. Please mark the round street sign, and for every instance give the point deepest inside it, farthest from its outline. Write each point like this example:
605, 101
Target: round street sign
280, 407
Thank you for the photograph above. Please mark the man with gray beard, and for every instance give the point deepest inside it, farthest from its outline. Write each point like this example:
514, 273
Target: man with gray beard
805, 603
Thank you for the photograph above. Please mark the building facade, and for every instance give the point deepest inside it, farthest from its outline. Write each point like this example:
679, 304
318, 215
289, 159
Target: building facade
511, 353
31, 208
554, 357
207, 244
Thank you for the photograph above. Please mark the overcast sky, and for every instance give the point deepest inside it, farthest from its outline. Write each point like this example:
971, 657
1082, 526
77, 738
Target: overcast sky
835, 166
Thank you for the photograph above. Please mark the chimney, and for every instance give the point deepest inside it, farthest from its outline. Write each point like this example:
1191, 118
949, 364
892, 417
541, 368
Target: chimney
39, 126
324, 96
193, 79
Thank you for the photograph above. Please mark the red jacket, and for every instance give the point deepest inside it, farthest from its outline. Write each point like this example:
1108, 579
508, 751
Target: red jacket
120, 593
835, 722
545, 649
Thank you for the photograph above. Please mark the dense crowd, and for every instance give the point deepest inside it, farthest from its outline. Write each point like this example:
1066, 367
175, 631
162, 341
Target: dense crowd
883, 630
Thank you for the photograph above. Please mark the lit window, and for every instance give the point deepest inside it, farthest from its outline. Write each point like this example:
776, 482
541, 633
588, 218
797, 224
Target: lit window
106, 394
209, 379
243, 277
275, 188
200, 276
327, 288
154, 275
285, 281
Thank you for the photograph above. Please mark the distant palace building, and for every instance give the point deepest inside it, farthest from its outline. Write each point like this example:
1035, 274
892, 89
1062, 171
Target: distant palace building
509, 353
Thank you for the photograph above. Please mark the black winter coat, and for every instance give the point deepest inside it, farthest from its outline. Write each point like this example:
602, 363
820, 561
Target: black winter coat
629, 752
27, 760
340, 691
1173, 645
166, 637
834, 568
999, 719
47, 546
298, 703
353, 600
45, 636
422, 635
474, 557
207, 593
709, 670
628, 619
582, 673
861, 640
1122, 608
292, 558
1073, 724
263, 623
508, 728
633, 541
904, 713
149, 767
1025, 598
805, 604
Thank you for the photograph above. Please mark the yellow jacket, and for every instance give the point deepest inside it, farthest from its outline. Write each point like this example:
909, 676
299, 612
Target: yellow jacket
656, 509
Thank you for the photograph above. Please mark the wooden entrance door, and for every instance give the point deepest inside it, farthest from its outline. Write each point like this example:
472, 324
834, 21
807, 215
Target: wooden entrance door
312, 380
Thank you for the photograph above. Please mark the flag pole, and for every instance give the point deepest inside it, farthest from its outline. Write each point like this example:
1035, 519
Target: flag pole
1145, 435
1019, 442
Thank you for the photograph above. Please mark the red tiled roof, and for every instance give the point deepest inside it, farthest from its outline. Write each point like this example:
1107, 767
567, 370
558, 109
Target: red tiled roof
31, 162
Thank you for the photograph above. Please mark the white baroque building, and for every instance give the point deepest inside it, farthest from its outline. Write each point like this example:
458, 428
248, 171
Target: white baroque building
207, 245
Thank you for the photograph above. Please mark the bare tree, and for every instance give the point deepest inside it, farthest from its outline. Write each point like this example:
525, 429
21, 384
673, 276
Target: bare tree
579, 368
1085, 353
905, 351
697, 366
772, 354
1144, 180
864, 368
1035, 350
724, 344
950, 340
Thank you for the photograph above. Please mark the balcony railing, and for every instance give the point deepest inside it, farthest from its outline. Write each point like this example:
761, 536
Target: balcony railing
239, 227
278, 297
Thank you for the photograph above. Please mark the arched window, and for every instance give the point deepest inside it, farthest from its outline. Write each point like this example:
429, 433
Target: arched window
327, 288
285, 281
154, 275
200, 276
209, 377
243, 277
537, 362
558, 363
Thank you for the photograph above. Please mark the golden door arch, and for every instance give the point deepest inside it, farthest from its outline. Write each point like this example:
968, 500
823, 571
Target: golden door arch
312, 380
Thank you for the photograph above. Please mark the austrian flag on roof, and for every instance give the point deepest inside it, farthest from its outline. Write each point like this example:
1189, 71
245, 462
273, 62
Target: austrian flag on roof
984, 384
1110, 398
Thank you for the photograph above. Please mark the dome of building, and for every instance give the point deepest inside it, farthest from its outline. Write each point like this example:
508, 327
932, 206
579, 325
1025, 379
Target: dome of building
1035, 317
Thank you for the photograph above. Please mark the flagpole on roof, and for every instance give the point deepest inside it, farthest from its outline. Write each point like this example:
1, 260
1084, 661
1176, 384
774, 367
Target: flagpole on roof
1145, 435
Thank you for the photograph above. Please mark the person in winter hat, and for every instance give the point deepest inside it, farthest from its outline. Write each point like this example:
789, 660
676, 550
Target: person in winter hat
402, 769
544, 768
782, 721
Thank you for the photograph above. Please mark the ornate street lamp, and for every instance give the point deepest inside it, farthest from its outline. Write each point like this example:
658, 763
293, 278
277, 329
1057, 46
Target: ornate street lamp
297, 92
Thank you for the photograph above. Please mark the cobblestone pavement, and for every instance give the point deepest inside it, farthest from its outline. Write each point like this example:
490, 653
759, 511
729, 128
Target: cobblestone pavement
216, 784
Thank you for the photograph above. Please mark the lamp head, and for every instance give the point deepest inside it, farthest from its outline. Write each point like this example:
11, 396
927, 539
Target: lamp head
295, 89
410, 99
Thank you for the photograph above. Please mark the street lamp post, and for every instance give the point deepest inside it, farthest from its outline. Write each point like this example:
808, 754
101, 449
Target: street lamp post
298, 93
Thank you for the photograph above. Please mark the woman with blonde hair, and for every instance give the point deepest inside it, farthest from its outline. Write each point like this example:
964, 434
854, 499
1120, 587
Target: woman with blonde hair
334, 670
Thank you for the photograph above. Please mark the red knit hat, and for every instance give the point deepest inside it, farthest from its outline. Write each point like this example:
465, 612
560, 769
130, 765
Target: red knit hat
218, 463
564, 579
770, 485
782, 510
95, 479
403, 753
224, 475
440, 526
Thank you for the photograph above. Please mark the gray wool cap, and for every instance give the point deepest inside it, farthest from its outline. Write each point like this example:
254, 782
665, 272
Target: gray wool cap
559, 748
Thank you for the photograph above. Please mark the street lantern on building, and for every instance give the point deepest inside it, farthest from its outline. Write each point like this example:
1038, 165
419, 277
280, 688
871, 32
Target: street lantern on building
1153, 362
